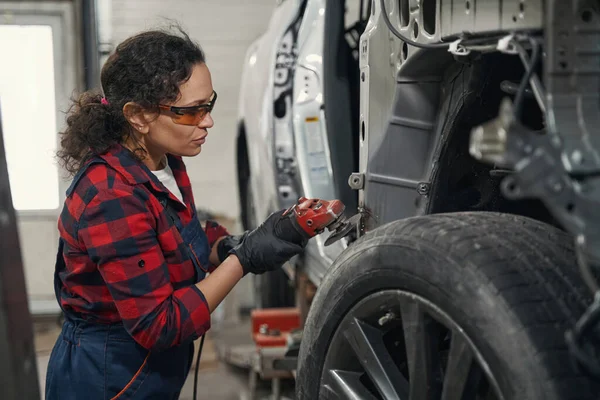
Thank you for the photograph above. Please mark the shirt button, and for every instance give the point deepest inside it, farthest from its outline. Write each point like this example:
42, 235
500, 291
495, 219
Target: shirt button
141, 263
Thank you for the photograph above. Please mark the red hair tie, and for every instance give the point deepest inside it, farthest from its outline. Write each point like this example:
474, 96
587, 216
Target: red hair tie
104, 101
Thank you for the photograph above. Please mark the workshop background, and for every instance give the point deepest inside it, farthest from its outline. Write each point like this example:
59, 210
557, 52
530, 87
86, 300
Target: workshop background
224, 29
45, 37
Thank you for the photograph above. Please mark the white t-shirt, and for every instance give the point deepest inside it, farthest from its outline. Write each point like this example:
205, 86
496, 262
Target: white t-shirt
167, 178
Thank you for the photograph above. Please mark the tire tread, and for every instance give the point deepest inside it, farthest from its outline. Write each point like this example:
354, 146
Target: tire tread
530, 266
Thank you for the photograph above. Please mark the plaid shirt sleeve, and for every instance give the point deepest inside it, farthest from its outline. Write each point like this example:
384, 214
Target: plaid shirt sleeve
119, 232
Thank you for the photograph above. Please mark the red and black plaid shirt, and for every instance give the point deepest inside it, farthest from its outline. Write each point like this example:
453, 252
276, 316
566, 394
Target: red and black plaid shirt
123, 254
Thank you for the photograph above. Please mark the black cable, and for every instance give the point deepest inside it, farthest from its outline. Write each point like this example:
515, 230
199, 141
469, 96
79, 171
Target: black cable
529, 70
198, 367
386, 18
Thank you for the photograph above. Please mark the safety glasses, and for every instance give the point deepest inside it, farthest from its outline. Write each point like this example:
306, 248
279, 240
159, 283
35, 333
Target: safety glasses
190, 115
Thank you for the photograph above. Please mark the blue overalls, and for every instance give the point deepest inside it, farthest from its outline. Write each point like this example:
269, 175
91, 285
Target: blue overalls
100, 361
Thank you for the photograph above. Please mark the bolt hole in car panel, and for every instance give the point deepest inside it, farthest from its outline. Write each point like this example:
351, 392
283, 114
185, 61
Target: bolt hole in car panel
401, 100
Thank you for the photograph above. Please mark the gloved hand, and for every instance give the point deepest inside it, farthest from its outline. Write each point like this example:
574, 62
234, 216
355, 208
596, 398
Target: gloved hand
268, 247
227, 243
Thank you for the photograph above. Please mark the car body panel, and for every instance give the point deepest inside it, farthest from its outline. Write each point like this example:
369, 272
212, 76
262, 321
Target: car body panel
256, 107
400, 95
312, 145
287, 144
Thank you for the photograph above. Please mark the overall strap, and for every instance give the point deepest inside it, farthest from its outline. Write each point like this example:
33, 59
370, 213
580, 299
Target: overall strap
194, 237
171, 213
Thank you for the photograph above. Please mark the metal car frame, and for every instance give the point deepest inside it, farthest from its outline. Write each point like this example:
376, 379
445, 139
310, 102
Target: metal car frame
406, 157
403, 149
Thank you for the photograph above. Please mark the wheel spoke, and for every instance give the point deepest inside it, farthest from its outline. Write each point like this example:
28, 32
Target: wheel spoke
346, 385
459, 365
367, 343
418, 334
417, 352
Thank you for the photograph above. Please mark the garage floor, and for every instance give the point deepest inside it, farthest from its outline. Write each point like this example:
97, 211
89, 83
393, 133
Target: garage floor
216, 380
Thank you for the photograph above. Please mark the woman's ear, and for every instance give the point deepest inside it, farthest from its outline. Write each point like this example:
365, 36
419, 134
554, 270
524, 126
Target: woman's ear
136, 116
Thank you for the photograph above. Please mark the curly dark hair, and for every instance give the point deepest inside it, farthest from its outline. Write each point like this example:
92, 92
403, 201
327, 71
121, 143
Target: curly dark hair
147, 69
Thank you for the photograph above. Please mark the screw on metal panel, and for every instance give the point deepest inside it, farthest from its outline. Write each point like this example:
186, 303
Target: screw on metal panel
577, 157
386, 318
423, 188
356, 181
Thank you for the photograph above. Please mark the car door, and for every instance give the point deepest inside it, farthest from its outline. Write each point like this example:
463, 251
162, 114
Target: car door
266, 76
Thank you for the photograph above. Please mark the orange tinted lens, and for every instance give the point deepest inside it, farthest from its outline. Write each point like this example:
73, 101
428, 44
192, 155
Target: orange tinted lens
190, 118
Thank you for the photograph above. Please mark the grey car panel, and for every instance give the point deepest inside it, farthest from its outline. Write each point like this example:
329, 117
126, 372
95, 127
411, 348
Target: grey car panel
400, 94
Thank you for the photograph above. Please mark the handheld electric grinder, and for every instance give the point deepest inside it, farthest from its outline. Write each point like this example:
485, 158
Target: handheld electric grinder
310, 217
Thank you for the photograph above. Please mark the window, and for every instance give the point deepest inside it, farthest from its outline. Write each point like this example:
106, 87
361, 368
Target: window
28, 107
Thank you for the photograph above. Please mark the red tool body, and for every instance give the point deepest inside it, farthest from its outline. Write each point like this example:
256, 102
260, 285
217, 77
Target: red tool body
311, 217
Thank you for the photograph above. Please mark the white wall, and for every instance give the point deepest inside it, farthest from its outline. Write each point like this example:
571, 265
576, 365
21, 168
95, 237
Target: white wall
224, 29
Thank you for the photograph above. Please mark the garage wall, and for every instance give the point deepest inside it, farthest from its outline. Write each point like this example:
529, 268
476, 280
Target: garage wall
224, 29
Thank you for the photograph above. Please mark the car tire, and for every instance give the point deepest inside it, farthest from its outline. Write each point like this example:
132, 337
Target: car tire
271, 289
480, 298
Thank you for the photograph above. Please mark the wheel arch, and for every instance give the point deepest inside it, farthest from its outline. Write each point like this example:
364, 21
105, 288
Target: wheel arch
458, 182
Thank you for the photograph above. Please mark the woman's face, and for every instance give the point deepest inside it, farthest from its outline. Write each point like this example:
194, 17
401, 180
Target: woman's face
166, 136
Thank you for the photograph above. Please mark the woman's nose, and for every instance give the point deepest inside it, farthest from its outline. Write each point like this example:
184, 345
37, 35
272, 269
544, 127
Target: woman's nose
207, 122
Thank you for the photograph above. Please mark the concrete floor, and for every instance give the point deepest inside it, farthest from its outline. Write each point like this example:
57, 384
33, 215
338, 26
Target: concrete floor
216, 380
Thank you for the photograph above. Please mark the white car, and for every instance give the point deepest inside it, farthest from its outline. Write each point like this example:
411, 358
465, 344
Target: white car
298, 122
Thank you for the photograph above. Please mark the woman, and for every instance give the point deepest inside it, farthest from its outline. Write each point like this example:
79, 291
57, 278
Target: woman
131, 272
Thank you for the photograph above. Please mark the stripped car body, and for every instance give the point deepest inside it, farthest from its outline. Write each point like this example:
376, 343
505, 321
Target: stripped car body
476, 118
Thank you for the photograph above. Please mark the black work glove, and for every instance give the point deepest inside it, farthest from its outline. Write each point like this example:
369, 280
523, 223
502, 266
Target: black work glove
228, 243
269, 246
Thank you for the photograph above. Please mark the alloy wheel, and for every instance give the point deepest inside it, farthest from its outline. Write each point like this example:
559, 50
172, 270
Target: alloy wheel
397, 345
